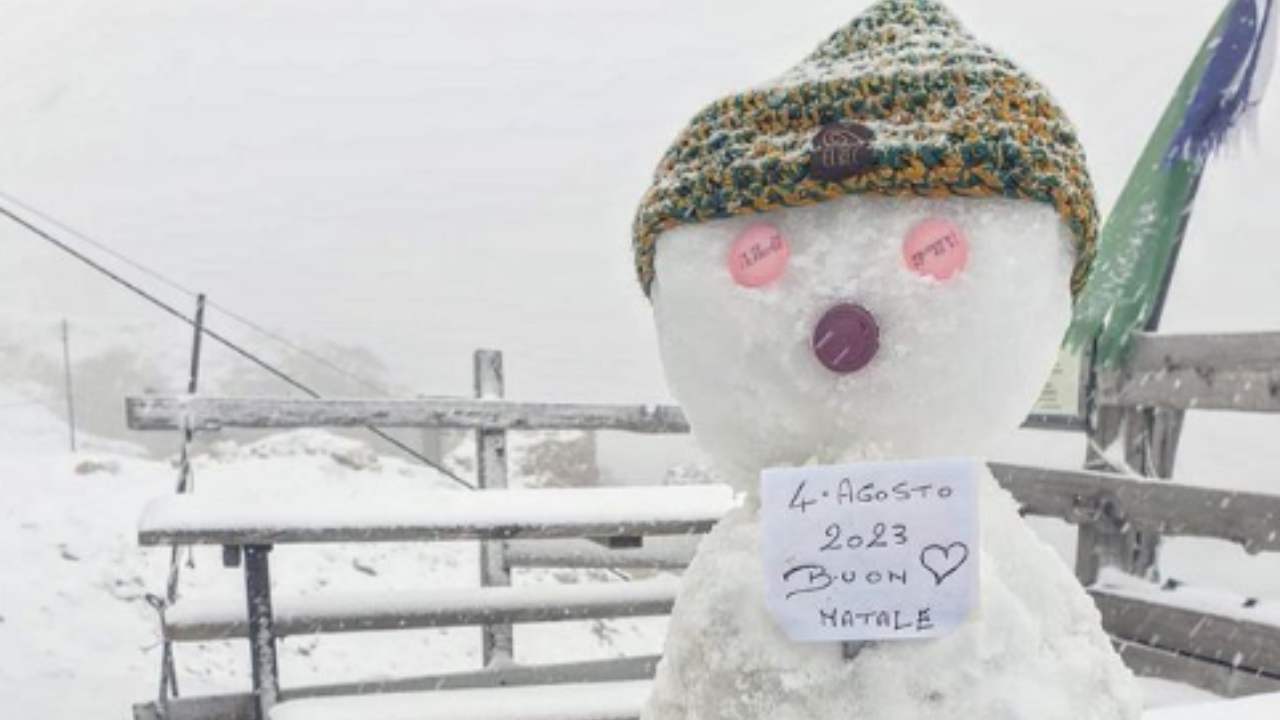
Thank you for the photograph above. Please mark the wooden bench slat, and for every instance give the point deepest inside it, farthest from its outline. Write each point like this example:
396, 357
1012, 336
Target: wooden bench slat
357, 612
240, 706
658, 553
436, 515
581, 701
1154, 618
1216, 678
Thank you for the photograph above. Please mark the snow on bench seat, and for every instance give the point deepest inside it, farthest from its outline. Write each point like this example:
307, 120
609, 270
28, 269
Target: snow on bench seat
1258, 707
667, 553
1211, 624
582, 701
435, 515
351, 612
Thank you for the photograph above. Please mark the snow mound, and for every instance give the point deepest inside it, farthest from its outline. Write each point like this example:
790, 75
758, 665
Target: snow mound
345, 451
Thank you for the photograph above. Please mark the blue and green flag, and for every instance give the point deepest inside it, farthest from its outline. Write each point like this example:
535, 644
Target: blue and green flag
1140, 240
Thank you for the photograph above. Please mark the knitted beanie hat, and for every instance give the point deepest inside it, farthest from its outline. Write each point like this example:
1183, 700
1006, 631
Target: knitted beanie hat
903, 102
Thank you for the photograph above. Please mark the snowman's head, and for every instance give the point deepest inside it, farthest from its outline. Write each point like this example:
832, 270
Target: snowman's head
864, 327
871, 256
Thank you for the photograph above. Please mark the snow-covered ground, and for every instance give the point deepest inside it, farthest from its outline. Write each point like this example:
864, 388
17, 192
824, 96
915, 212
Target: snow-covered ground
396, 183
78, 639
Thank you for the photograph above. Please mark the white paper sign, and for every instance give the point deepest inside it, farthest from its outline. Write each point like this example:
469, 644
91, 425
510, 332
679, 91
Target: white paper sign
872, 551
1061, 395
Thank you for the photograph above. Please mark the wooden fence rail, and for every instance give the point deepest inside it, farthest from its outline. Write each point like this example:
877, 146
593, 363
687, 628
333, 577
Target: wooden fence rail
211, 413
1202, 372
1251, 520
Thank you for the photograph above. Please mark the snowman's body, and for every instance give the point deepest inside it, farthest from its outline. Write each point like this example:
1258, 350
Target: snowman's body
1034, 650
957, 362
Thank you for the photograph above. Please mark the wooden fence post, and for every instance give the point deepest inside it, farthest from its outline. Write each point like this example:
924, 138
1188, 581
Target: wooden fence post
1099, 542
1166, 432
66, 372
1151, 437
491, 474
1151, 447
1143, 546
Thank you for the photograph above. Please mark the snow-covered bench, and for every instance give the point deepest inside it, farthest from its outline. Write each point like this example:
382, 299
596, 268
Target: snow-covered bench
427, 517
612, 528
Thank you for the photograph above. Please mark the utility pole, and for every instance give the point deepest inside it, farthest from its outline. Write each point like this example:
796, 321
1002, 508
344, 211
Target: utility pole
66, 368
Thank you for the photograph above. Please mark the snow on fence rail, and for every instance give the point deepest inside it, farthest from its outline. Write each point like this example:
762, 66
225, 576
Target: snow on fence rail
1198, 372
211, 413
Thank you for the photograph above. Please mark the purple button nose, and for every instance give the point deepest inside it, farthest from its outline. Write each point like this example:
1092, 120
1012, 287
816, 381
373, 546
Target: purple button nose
846, 338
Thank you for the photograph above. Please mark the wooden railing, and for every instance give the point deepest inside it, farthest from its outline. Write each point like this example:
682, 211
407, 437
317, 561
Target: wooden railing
1142, 406
1198, 372
1120, 517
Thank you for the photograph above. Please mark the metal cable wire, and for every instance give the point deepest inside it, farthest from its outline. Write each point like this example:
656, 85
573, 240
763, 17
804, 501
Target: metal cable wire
220, 339
168, 672
176, 286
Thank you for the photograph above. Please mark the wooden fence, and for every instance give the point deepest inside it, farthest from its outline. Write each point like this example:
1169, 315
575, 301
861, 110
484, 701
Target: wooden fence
1120, 517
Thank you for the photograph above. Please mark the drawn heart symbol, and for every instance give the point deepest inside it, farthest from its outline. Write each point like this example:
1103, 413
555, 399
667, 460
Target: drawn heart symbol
942, 562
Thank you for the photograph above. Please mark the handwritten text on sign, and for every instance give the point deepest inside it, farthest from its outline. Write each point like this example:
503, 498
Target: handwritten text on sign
872, 551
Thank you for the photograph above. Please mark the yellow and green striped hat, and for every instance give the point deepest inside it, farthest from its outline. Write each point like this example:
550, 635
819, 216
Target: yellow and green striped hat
903, 101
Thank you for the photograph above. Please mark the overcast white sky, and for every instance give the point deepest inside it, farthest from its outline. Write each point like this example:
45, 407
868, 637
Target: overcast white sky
422, 178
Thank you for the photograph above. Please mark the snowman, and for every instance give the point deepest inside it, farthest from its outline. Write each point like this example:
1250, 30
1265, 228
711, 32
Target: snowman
873, 258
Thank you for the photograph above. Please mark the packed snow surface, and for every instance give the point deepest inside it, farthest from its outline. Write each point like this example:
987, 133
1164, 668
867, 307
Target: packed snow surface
1261, 707
1179, 594
606, 701
442, 514
622, 700
1034, 650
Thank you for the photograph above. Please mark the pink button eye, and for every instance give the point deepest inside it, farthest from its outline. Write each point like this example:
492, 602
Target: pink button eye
936, 248
759, 255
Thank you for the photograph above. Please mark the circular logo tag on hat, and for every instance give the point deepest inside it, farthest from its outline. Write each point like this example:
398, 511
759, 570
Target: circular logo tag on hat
759, 255
841, 151
936, 248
